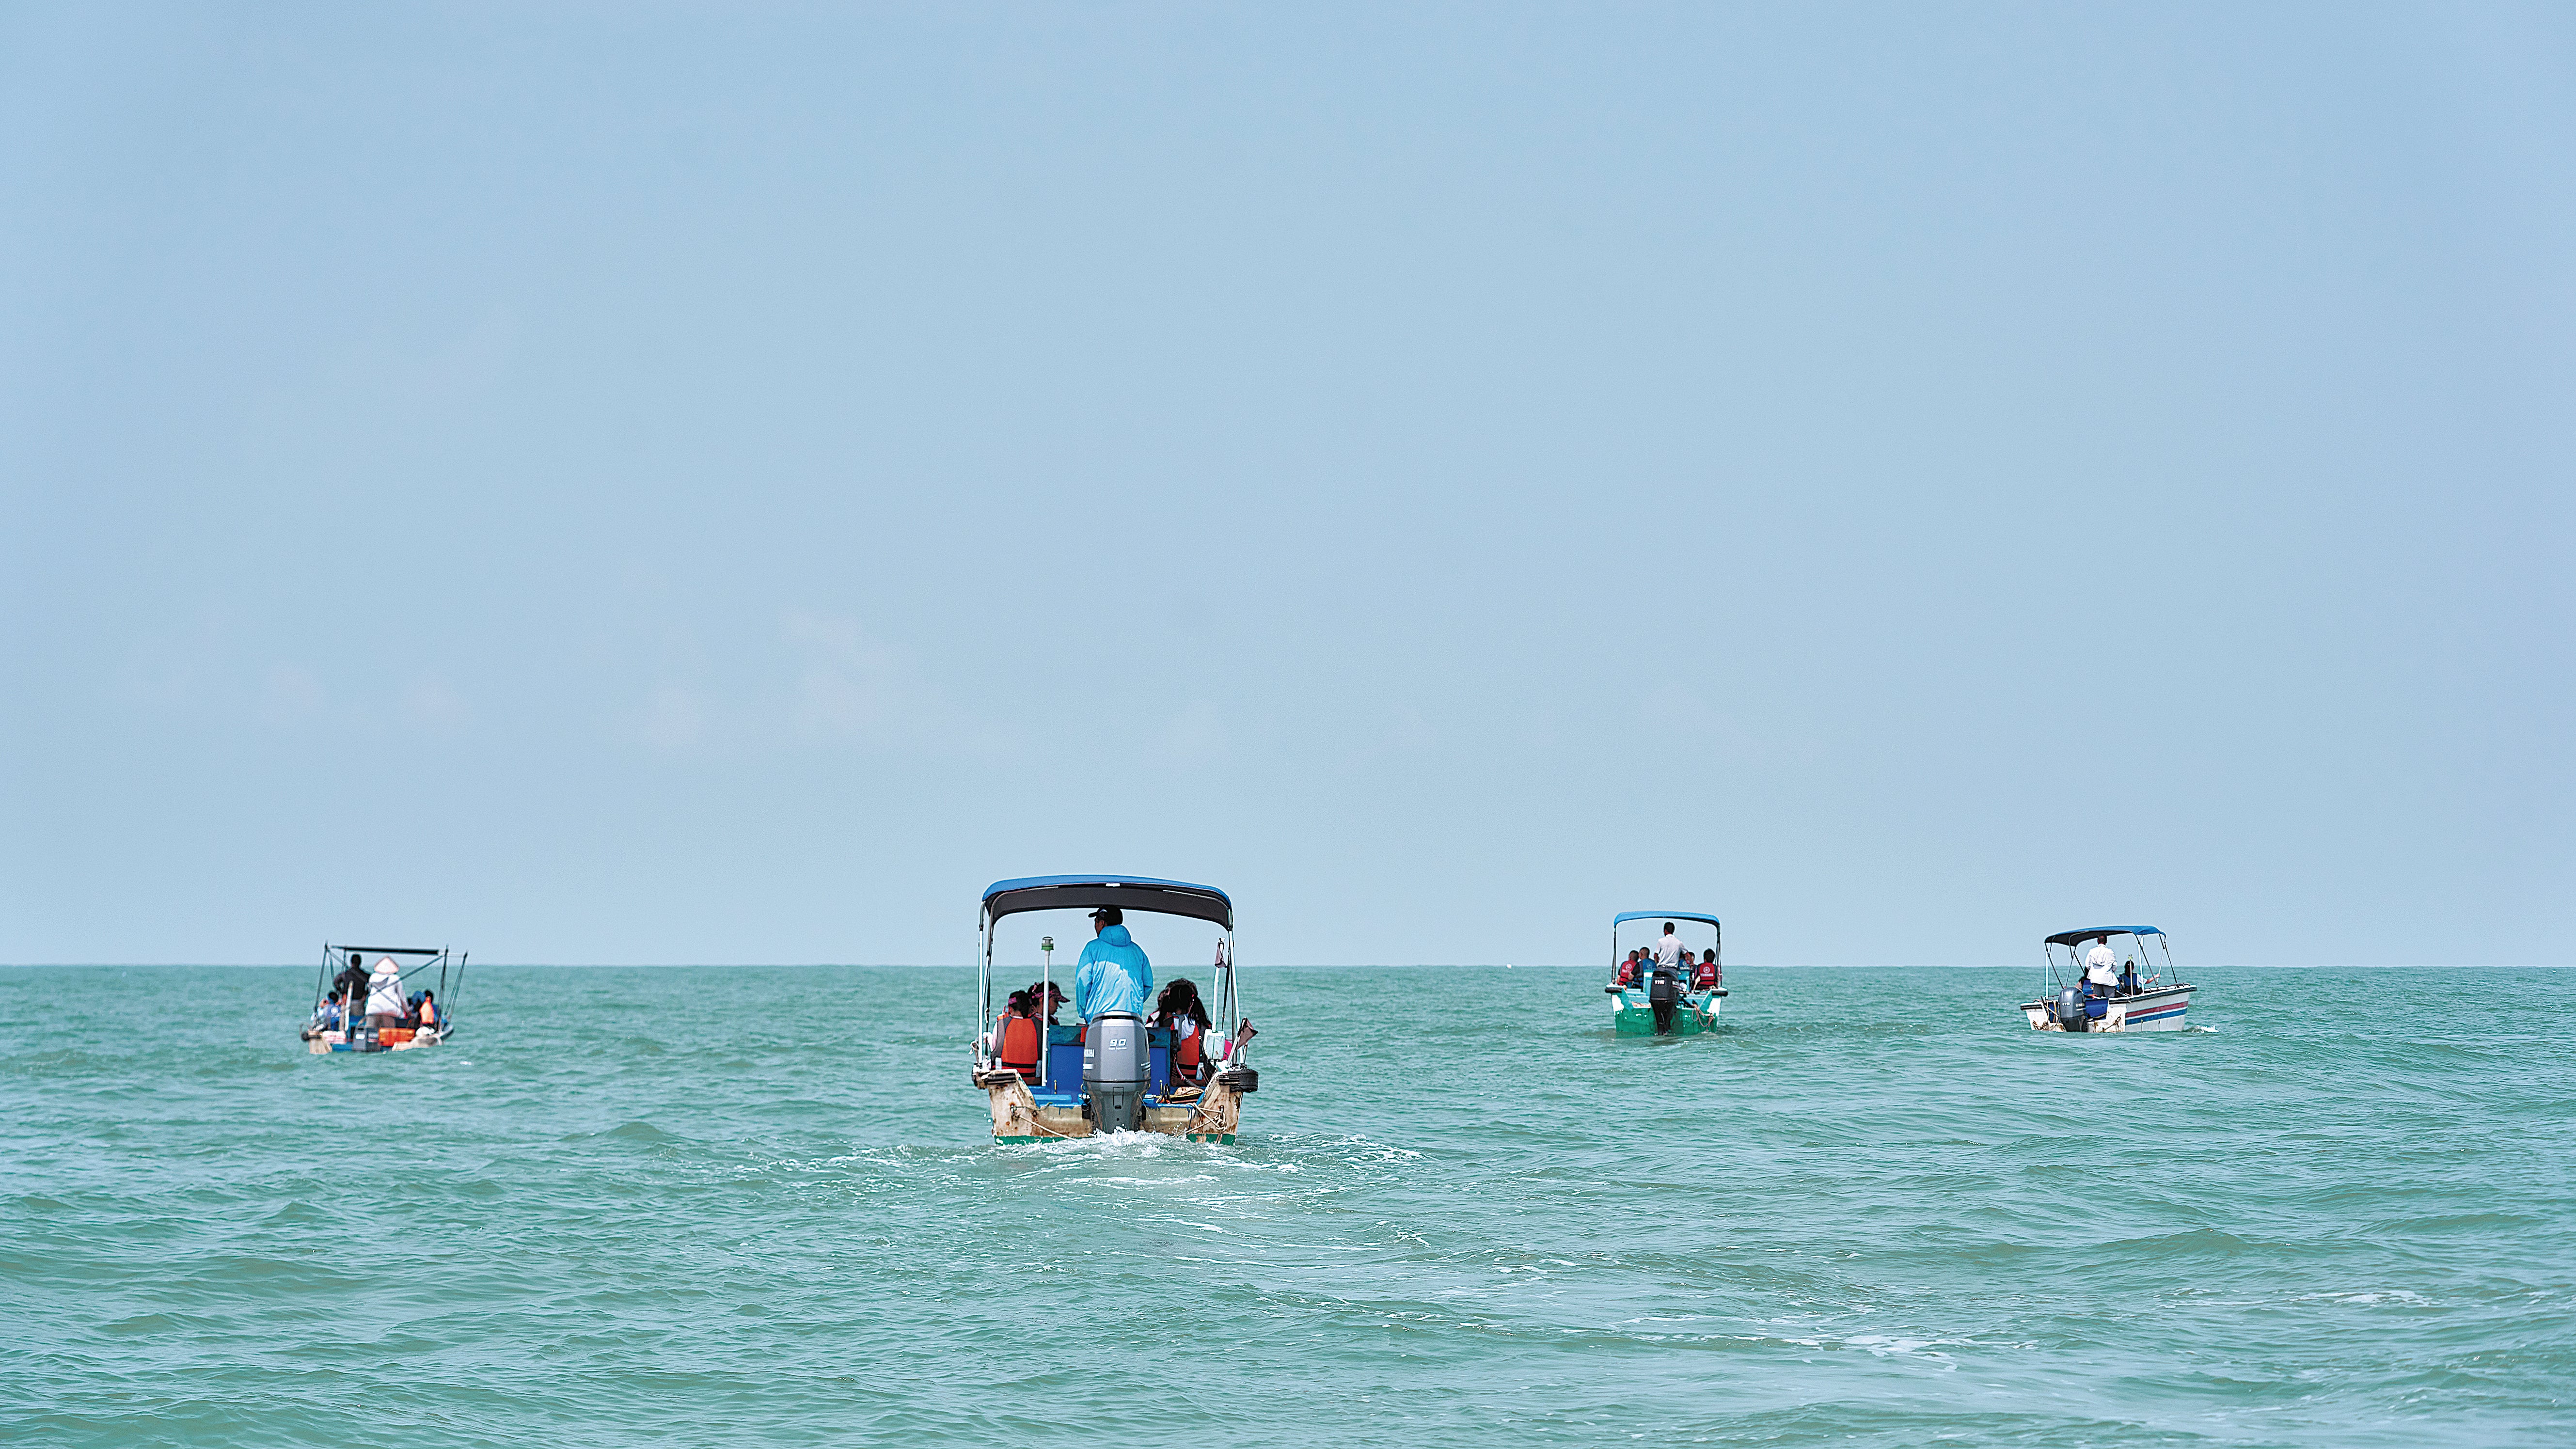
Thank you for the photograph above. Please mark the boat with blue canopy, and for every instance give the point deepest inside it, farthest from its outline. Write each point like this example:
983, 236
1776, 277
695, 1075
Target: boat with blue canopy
2099, 987
405, 1001
1672, 984
1180, 1067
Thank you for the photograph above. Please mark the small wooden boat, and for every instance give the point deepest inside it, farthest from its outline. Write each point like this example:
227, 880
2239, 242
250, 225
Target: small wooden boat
2099, 988
1045, 1080
1653, 997
340, 1021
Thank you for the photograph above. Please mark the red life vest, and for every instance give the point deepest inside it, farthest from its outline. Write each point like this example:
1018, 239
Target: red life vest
1706, 975
1185, 1048
1022, 1045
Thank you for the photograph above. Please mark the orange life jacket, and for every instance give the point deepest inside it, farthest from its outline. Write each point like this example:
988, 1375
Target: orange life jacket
1185, 1049
1022, 1045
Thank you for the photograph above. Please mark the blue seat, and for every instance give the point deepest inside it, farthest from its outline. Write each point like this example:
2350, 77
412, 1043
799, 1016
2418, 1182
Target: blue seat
1062, 1086
1158, 1051
1064, 1063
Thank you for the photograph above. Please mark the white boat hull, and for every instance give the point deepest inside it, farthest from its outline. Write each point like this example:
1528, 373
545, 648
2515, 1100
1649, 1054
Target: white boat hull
323, 1044
2160, 1009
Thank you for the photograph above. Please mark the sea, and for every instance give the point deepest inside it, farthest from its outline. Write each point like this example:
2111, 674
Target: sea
760, 1206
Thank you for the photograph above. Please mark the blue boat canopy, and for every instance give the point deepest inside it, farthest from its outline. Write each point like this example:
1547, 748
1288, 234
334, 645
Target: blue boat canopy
1126, 892
2069, 938
1624, 917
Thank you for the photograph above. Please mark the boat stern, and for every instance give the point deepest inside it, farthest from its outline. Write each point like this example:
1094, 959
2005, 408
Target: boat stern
2161, 1009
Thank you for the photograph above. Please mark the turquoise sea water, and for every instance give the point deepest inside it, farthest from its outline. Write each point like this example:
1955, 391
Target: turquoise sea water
747, 1206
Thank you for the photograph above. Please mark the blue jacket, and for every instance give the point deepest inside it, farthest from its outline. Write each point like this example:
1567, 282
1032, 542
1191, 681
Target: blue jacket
1113, 975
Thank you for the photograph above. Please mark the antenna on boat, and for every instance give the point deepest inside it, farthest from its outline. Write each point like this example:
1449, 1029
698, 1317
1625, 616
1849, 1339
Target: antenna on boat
1046, 1013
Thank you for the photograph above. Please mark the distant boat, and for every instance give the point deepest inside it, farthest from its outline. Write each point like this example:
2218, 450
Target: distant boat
2107, 994
1649, 998
341, 1022
1123, 1072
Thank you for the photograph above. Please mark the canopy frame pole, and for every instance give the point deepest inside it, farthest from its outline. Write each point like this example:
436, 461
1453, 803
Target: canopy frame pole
444, 1019
984, 985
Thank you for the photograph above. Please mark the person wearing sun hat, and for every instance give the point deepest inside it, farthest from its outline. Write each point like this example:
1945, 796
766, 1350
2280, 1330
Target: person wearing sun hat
1113, 974
1046, 996
384, 994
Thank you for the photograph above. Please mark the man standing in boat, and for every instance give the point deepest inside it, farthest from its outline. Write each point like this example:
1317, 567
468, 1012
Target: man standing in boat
2101, 968
1670, 953
1113, 974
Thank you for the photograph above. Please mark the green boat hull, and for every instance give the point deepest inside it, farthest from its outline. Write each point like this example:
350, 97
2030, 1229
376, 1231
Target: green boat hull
1694, 1015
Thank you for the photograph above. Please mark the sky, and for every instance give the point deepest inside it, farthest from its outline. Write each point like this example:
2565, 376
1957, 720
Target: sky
722, 484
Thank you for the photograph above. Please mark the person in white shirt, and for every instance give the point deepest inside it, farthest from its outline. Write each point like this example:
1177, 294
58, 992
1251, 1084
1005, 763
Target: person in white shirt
1669, 950
2101, 968
384, 994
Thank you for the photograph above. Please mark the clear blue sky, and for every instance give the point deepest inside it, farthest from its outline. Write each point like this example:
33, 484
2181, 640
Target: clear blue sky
721, 484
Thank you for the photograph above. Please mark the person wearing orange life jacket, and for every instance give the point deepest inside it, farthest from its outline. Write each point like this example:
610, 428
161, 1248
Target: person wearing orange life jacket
1708, 974
1019, 1041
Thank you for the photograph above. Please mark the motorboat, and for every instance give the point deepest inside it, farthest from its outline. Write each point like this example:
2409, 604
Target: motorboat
1121, 1071
2098, 986
340, 1021
1649, 997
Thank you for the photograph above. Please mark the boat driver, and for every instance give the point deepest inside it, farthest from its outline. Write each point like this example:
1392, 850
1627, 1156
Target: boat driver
2101, 968
1113, 974
1670, 953
351, 983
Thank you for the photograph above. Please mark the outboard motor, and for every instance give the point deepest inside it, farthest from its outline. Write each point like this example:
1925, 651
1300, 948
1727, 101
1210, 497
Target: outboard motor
1115, 1069
2070, 1010
1664, 995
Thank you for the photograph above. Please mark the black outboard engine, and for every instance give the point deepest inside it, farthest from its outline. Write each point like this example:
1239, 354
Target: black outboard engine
1664, 995
2070, 1010
1114, 1072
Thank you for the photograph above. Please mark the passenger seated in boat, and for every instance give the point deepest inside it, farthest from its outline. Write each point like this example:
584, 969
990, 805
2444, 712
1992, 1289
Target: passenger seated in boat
1050, 995
1632, 970
2129, 979
1180, 1011
1707, 975
424, 1011
1019, 1042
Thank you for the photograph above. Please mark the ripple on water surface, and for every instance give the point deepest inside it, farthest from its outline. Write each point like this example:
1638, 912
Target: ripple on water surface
1453, 1218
